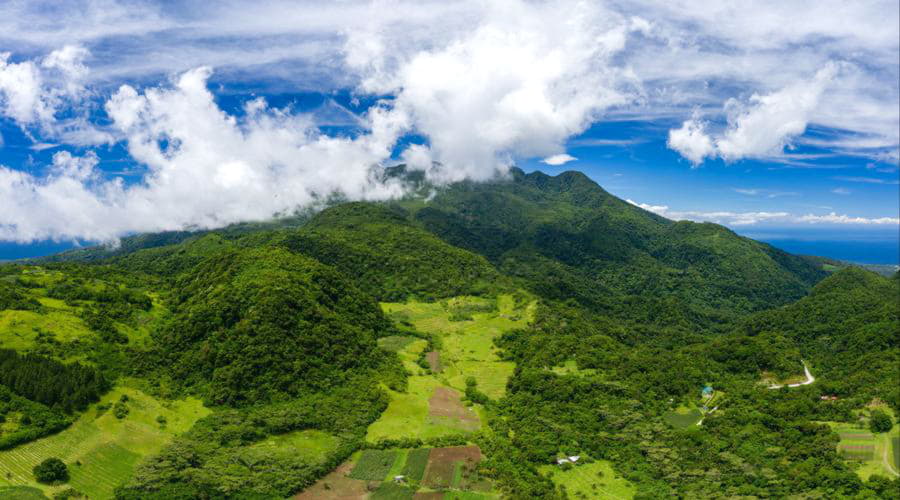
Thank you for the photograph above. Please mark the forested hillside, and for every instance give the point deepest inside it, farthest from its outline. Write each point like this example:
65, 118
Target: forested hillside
470, 338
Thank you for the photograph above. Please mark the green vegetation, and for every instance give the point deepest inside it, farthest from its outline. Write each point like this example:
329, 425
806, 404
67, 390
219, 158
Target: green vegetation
100, 450
374, 465
416, 461
683, 418
255, 325
593, 480
51, 471
532, 316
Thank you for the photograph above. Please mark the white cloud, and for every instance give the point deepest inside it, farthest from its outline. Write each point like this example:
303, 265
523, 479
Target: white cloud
519, 83
729, 218
485, 83
691, 141
559, 159
834, 218
206, 168
842, 191
762, 127
21, 95
866, 180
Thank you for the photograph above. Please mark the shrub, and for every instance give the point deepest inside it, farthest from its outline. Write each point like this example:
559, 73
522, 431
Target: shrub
51, 471
880, 421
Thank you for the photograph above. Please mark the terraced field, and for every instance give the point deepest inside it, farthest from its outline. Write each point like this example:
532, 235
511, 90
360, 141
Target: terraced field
869, 453
101, 450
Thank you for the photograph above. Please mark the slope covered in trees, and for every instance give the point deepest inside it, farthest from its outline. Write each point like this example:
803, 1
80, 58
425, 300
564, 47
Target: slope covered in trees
259, 324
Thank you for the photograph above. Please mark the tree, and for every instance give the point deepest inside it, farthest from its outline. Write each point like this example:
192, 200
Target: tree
51, 471
880, 421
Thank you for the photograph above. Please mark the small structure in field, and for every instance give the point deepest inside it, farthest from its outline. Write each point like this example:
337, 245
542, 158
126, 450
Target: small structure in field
828, 397
707, 392
568, 460
399, 479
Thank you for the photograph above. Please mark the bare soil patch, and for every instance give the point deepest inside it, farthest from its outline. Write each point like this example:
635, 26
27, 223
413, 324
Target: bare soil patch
445, 402
336, 486
434, 361
443, 462
429, 495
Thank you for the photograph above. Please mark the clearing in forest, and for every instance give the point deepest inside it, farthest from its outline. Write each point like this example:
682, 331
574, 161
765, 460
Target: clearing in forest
465, 329
408, 414
448, 473
869, 453
101, 450
593, 480
445, 404
683, 417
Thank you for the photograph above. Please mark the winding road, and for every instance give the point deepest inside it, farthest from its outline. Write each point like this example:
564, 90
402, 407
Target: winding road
809, 379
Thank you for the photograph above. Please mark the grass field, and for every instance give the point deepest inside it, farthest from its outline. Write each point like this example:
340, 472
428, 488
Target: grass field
107, 448
407, 415
467, 347
594, 480
312, 445
683, 417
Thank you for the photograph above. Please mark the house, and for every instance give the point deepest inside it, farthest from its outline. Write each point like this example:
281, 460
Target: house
574, 458
707, 391
561, 461
399, 479
568, 460
828, 398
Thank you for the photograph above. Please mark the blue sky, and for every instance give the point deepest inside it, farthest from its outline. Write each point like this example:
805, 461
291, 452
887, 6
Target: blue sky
122, 117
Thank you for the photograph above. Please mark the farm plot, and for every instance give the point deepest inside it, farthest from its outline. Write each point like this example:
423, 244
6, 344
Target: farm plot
106, 448
871, 453
452, 467
416, 462
336, 486
594, 480
374, 465
445, 407
407, 415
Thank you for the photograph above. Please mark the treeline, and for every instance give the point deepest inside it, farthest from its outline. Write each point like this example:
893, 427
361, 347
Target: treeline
26, 419
11, 298
75, 291
69, 387
216, 458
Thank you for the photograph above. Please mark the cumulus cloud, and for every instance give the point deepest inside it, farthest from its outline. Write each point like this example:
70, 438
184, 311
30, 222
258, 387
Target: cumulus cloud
761, 127
691, 141
22, 97
729, 218
206, 168
525, 79
560, 159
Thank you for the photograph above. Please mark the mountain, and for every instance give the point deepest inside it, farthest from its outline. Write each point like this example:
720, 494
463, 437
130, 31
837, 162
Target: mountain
472, 338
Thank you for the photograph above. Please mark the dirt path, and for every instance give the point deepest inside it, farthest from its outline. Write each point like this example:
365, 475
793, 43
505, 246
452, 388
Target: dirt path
886, 456
809, 379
